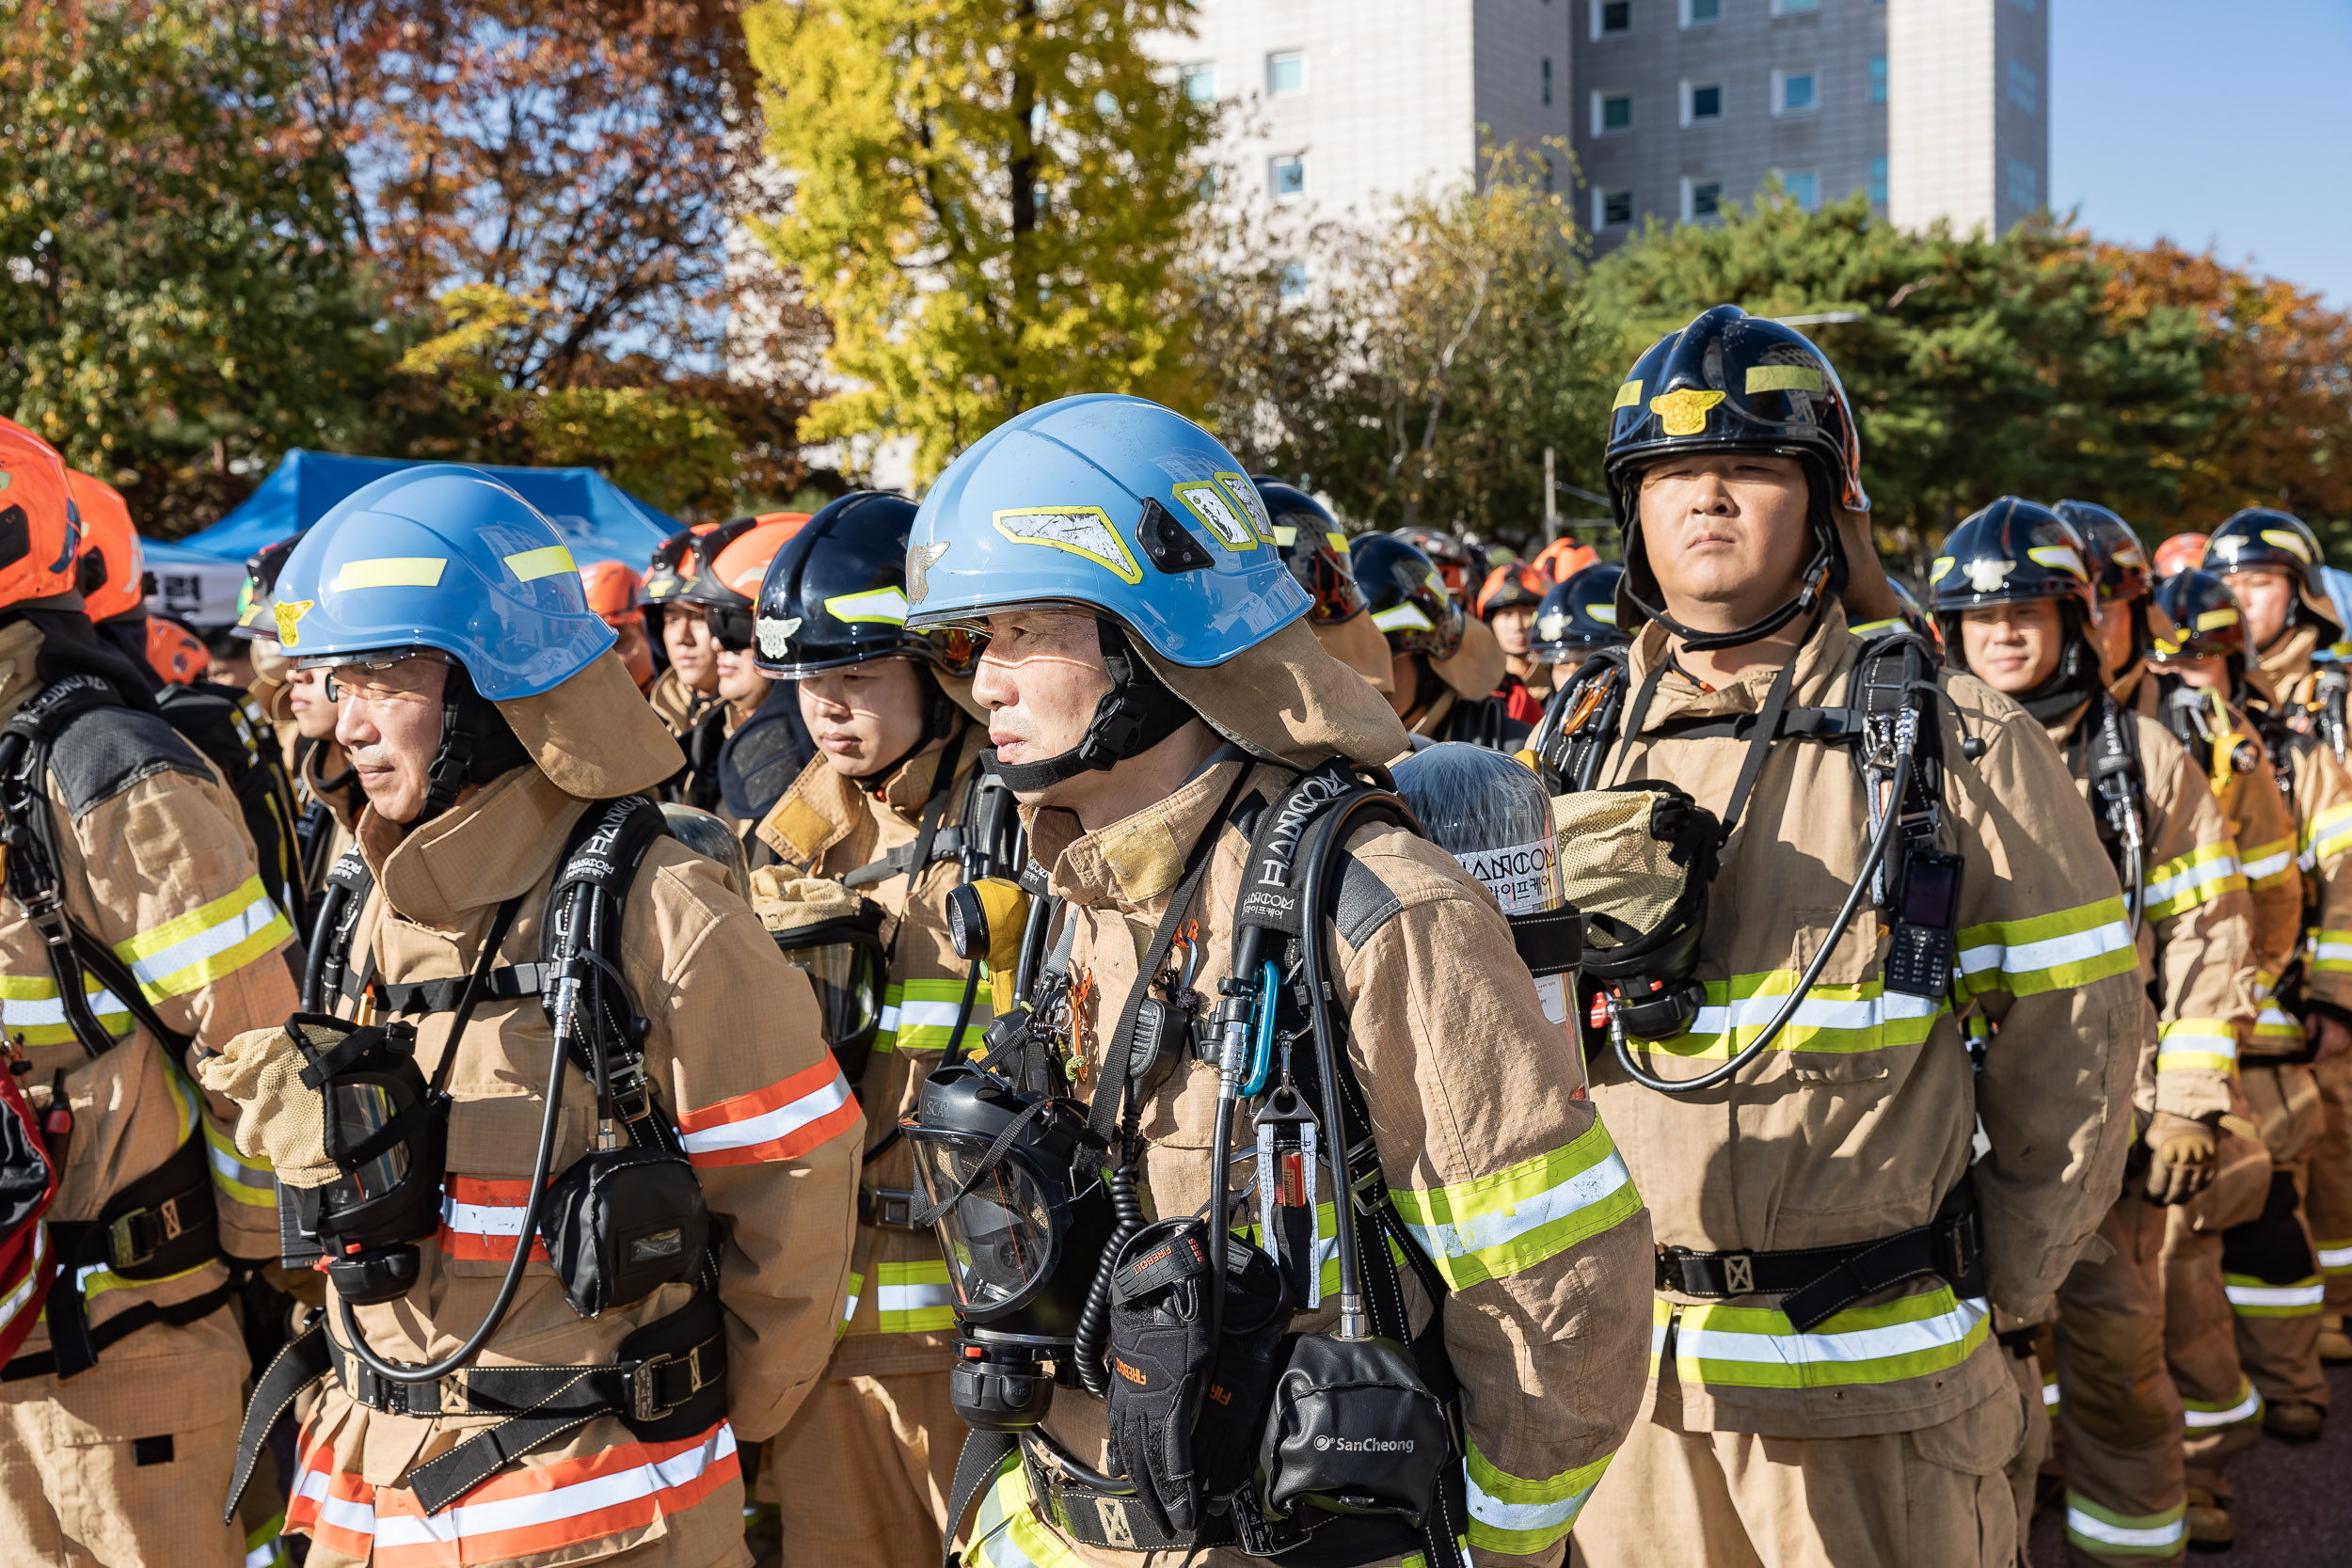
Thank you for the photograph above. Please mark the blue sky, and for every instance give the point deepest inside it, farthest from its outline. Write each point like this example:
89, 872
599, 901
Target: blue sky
2225, 124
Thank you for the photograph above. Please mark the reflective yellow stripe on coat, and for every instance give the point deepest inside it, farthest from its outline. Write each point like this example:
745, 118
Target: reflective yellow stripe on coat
193, 950
1756, 1347
920, 1015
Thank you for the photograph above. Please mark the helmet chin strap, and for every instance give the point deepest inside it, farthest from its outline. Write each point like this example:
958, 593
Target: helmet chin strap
1134, 715
476, 746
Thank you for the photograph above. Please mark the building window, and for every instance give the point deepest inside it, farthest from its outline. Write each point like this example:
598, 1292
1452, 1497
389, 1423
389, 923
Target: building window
1547, 81
1702, 101
2023, 85
1878, 78
1611, 19
1613, 209
1612, 114
1792, 91
1294, 284
1286, 73
1702, 13
1794, 7
1878, 181
1201, 83
2025, 186
1286, 175
1702, 198
1802, 187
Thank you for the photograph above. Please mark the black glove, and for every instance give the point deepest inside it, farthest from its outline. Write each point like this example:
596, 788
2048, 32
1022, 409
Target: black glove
1160, 1365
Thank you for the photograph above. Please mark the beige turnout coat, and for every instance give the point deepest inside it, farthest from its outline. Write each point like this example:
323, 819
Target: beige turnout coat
2196, 931
738, 1065
1495, 1160
1859, 1119
901, 1314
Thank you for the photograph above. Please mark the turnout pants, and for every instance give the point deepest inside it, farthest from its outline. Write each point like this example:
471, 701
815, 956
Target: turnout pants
2269, 1269
2116, 1404
2331, 1208
1938, 1498
125, 1466
861, 1478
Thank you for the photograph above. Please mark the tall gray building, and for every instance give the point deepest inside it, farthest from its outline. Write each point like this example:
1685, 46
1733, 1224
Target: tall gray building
1932, 108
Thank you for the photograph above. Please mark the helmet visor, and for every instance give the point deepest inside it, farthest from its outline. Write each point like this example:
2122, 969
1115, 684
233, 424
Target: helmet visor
1000, 1232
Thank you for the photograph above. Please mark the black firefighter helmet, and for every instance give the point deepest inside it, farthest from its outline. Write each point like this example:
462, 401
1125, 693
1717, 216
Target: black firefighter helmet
1577, 618
1314, 546
2262, 538
2207, 621
2020, 552
2112, 550
836, 595
1406, 595
1732, 382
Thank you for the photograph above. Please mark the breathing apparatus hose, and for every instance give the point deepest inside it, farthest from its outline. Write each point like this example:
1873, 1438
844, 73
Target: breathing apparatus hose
1871, 863
1095, 1318
398, 1371
1323, 860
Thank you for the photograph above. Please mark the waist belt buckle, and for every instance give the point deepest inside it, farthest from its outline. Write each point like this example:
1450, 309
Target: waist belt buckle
1965, 1249
122, 1244
892, 1206
644, 1401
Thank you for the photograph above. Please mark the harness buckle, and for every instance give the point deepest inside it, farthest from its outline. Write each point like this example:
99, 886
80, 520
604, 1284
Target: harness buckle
122, 1235
646, 1401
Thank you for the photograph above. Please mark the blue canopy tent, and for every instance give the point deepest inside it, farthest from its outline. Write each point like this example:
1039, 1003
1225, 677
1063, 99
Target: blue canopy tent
190, 585
598, 519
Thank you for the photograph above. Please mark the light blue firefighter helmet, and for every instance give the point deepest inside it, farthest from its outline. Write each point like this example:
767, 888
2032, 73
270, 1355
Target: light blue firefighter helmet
1111, 503
442, 557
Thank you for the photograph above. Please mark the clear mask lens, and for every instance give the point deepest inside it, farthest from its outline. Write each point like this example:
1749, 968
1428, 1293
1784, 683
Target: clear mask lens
998, 1235
362, 1110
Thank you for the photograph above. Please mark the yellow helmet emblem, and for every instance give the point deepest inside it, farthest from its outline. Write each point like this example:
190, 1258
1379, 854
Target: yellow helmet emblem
1684, 412
289, 617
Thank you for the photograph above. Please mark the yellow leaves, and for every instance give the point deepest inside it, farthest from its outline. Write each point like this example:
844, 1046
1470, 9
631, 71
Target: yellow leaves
476, 316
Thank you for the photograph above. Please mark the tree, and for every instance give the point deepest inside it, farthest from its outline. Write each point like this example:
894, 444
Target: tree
2282, 365
1978, 367
548, 189
179, 301
991, 198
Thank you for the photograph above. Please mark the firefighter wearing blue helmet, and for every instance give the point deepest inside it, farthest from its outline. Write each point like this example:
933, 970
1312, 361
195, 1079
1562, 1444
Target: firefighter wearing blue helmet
557, 1121
1157, 699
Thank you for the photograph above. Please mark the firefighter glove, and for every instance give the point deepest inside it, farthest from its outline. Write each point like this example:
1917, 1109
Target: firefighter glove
2184, 1158
1160, 1353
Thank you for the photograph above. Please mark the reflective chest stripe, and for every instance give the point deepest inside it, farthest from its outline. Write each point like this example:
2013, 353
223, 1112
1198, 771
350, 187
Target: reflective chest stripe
31, 1009
1755, 1347
914, 1297
2051, 952
481, 1218
783, 1121
1843, 1019
920, 1015
540, 1508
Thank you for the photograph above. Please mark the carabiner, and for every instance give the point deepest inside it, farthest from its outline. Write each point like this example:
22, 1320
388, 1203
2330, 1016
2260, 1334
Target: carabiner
1261, 1032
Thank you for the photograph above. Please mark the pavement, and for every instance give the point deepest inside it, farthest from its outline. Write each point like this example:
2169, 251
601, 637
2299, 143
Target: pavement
2294, 1506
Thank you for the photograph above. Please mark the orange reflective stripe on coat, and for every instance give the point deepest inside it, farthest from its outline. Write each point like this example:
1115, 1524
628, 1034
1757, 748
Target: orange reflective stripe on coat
481, 1218
783, 1121
547, 1508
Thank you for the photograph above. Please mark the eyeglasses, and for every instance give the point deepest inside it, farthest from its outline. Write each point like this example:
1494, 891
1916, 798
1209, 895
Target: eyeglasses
341, 677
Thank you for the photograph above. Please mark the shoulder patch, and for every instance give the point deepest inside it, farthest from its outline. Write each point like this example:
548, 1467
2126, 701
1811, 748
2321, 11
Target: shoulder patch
107, 750
1365, 904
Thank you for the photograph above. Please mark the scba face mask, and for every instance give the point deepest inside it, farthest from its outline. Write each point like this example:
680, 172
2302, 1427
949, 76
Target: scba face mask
387, 1130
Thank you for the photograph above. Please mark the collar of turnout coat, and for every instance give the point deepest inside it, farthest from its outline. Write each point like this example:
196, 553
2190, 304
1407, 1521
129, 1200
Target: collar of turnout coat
483, 852
822, 807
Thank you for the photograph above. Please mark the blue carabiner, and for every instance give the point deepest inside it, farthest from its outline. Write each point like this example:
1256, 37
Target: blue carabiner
1261, 1032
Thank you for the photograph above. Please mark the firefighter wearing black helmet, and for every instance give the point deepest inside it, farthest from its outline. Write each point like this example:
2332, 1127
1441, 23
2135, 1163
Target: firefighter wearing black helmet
1817, 1112
688, 681
2271, 561
2015, 595
1444, 667
1314, 546
1577, 618
881, 825
2245, 1296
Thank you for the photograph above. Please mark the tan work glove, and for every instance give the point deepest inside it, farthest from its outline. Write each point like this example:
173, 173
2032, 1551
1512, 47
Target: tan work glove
279, 1116
786, 903
2184, 1162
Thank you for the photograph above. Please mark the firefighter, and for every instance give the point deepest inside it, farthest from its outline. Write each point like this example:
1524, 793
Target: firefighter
2271, 562
1507, 602
1315, 547
117, 1412
512, 1369
888, 806
2244, 1291
1443, 666
2015, 595
1153, 699
689, 679
613, 591
1824, 1382
750, 745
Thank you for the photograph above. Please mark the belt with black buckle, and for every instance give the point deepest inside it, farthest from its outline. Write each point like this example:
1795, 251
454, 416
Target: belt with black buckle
1819, 1282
